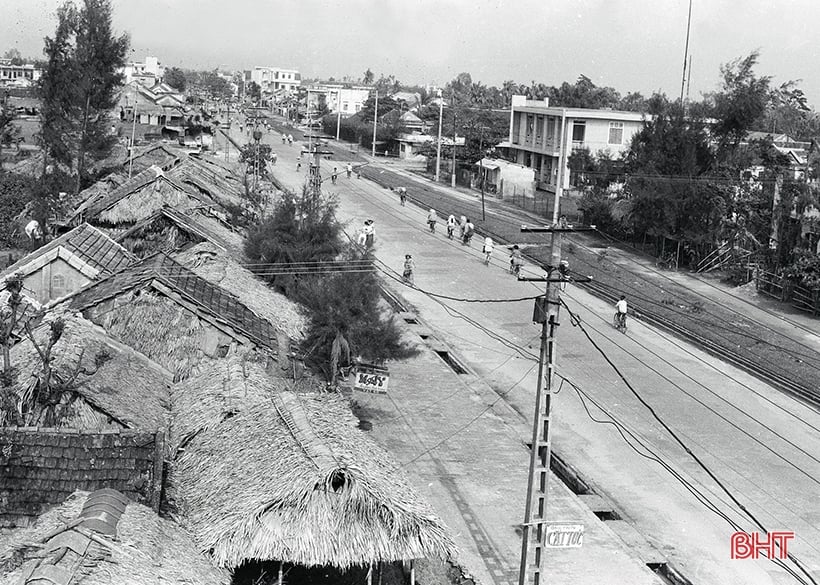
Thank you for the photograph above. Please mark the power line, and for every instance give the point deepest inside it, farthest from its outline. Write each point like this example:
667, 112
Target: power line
577, 322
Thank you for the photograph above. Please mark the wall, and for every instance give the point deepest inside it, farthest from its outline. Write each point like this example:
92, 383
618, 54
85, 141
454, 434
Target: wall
41, 467
42, 282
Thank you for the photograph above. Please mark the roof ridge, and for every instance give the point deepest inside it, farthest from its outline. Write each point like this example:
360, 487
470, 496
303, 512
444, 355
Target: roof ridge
292, 412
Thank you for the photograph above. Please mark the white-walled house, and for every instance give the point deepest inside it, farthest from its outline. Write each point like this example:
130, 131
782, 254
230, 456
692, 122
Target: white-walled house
273, 79
536, 132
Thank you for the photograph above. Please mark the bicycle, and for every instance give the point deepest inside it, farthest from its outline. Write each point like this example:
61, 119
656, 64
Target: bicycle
487, 254
619, 321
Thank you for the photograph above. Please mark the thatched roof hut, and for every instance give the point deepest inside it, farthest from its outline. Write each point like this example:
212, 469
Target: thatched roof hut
170, 229
145, 550
211, 178
216, 266
115, 387
262, 473
176, 318
138, 198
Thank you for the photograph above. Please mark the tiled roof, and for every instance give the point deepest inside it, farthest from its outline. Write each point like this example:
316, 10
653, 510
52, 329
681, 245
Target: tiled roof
87, 243
211, 299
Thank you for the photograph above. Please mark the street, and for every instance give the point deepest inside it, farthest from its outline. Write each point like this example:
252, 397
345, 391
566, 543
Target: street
763, 446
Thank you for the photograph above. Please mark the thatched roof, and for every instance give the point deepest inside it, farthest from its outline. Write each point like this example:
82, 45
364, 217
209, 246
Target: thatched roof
144, 323
117, 386
85, 247
148, 550
197, 224
267, 474
210, 178
216, 266
138, 198
160, 155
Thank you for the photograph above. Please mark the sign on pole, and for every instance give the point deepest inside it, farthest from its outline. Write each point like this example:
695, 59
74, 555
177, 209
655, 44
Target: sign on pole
564, 535
371, 378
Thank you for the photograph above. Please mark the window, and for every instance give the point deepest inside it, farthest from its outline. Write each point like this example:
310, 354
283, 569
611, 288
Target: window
550, 129
616, 133
539, 127
57, 286
345, 105
529, 125
578, 131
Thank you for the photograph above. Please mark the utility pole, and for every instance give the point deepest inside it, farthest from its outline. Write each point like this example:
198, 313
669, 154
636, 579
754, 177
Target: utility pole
686, 53
481, 171
338, 118
133, 134
438, 143
375, 120
453, 174
546, 312
314, 176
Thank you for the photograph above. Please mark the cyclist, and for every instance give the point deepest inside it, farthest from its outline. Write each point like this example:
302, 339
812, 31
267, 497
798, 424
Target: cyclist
489, 245
515, 260
451, 226
621, 309
432, 218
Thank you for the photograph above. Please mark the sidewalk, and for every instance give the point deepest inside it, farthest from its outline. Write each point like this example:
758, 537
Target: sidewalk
476, 477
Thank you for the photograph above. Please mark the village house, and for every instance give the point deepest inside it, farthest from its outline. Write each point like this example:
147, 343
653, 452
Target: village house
340, 98
275, 79
69, 262
18, 75
98, 420
147, 73
262, 471
104, 537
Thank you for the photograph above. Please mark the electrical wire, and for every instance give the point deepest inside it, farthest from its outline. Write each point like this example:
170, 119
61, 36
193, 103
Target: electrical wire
676, 437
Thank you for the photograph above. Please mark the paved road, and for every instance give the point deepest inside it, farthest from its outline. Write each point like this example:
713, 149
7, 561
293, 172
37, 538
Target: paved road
763, 446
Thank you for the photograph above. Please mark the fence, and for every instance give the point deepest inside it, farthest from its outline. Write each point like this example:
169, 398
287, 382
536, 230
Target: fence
541, 202
780, 288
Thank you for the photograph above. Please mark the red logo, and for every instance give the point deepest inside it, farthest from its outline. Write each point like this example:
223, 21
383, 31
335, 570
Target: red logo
772, 545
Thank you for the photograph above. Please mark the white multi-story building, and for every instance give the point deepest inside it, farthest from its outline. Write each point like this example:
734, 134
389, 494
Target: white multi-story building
539, 134
148, 73
342, 98
273, 79
22, 75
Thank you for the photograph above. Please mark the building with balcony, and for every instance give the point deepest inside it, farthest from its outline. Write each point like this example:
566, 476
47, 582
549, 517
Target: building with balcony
274, 79
148, 73
343, 98
18, 75
540, 133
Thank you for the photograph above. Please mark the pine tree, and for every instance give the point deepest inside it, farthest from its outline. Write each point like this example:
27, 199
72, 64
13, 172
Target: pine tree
80, 85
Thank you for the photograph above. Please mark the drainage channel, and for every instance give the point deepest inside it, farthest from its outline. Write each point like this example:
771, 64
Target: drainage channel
605, 512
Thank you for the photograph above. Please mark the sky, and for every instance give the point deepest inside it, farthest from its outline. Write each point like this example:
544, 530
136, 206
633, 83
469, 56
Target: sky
631, 45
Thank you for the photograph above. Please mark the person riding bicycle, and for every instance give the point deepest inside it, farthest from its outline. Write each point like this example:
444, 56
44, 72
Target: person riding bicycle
621, 311
488, 248
515, 260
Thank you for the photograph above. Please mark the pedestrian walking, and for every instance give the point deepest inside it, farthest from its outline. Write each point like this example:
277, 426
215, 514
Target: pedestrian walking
451, 226
462, 225
290, 139
409, 267
402, 195
469, 229
349, 170
333, 176
361, 237
284, 138
273, 157
488, 248
298, 166
369, 233
432, 218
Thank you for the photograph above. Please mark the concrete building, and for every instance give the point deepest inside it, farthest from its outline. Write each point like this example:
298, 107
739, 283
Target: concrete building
273, 79
338, 97
536, 132
148, 73
18, 75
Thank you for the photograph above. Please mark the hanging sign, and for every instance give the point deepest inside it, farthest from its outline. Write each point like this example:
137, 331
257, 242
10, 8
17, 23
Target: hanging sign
564, 536
371, 378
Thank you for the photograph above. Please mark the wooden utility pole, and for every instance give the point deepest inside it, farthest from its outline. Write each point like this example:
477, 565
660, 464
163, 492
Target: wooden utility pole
314, 177
546, 312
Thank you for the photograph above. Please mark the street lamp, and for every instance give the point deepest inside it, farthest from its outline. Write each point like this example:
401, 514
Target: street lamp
438, 144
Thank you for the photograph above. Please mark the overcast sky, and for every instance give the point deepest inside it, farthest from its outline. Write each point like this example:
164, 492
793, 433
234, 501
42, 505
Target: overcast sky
631, 45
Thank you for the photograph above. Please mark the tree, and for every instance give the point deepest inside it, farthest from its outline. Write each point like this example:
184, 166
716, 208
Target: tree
175, 77
368, 77
254, 92
14, 56
81, 83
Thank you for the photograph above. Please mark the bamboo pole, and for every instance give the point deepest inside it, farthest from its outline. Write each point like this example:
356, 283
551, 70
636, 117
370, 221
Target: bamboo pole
412, 572
370, 574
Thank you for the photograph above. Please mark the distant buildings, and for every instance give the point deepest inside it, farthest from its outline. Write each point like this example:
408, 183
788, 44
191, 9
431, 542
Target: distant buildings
148, 73
536, 129
275, 79
338, 97
18, 75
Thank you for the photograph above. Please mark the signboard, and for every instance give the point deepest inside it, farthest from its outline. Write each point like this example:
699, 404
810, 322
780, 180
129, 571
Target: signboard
371, 378
564, 536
